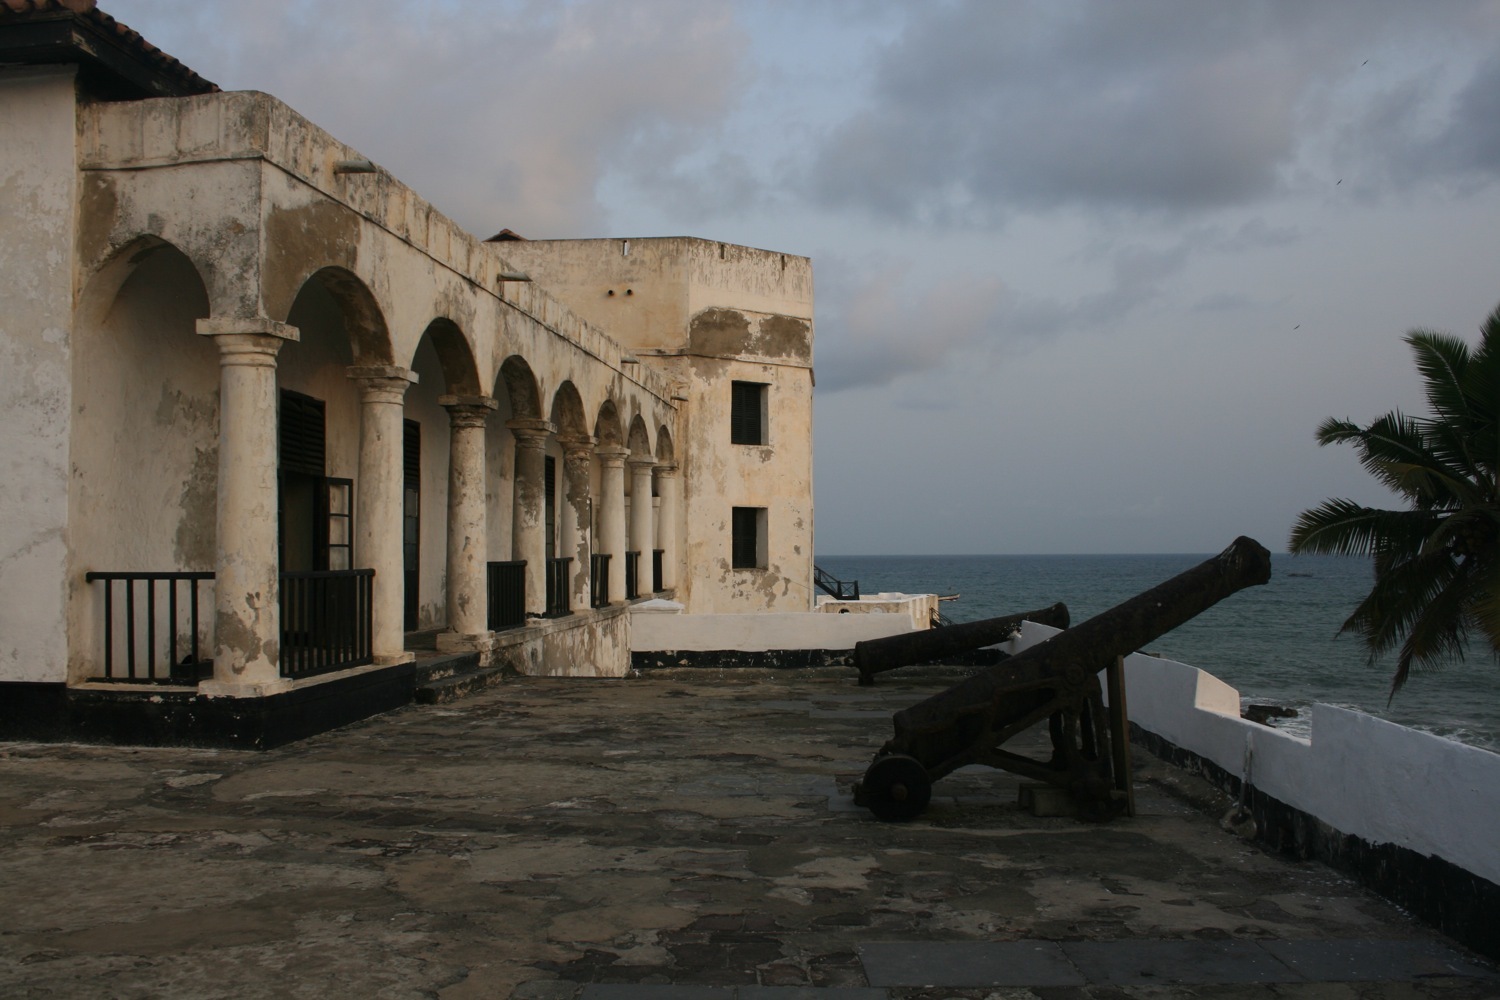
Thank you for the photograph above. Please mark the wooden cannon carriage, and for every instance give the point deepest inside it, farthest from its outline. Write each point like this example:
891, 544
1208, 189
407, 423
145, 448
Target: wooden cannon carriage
1057, 680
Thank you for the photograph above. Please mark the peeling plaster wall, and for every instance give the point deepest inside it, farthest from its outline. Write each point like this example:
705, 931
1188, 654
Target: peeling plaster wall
38, 180
422, 406
704, 314
246, 190
652, 633
145, 443
718, 476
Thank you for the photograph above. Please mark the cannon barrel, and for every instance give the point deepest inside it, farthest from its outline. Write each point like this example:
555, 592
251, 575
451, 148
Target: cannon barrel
947, 730
873, 656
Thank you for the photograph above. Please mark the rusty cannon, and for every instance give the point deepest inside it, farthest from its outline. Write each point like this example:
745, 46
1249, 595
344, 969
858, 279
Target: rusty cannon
874, 656
1056, 680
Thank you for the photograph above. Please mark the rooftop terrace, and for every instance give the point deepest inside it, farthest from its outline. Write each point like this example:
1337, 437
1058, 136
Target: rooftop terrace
685, 834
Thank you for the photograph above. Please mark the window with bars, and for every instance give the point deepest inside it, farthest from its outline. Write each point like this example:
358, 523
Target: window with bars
748, 542
747, 412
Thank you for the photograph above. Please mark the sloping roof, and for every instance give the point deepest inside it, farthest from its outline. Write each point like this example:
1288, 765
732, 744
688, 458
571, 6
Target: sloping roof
114, 59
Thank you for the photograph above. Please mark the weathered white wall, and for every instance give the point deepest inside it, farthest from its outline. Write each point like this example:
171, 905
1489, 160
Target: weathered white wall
705, 314
918, 608
437, 437
1361, 775
145, 445
653, 632
37, 190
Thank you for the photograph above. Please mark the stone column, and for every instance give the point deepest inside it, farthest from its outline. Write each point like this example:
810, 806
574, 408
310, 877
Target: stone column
528, 530
575, 525
468, 620
642, 538
378, 503
612, 516
247, 610
669, 486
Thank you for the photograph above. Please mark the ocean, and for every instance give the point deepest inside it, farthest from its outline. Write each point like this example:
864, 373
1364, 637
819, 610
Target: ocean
1278, 644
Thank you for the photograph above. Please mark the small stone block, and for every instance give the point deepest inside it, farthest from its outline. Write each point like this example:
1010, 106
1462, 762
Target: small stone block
637, 991
961, 964
810, 993
1162, 963
1372, 961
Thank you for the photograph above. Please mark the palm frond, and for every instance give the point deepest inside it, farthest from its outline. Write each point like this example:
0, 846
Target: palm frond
1344, 528
1442, 358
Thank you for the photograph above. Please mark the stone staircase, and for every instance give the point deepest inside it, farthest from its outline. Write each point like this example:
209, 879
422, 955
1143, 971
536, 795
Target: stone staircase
448, 677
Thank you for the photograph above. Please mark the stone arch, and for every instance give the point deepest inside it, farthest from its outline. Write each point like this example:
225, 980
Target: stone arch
145, 437
364, 322
102, 287
521, 386
455, 356
607, 427
567, 412
639, 441
664, 452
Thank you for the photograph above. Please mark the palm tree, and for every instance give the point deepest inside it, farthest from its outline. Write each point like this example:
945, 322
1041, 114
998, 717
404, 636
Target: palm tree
1437, 563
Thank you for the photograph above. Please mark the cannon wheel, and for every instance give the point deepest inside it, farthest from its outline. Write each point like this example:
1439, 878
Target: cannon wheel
896, 787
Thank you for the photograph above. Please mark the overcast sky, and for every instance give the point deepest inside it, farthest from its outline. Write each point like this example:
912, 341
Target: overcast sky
1089, 274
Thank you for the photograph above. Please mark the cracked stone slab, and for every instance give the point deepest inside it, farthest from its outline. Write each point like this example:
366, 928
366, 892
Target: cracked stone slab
968, 963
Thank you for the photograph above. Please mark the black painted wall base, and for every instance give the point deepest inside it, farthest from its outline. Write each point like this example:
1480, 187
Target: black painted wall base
770, 659
57, 713
1457, 902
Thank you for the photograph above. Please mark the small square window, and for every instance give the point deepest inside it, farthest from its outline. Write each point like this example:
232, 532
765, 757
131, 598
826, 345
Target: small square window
747, 413
748, 545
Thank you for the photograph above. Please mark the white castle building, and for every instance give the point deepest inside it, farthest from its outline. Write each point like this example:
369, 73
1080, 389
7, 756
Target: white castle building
270, 414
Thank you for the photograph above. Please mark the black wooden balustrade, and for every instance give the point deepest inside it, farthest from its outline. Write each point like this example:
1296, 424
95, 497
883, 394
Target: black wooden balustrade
599, 580
152, 628
656, 557
632, 574
326, 621
559, 586
507, 594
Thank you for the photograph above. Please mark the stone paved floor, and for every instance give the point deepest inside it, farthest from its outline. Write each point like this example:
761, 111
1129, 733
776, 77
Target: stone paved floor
688, 834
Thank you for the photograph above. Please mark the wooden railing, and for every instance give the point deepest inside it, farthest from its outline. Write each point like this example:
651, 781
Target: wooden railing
559, 586
153, 626
632, 574
507, 594
327, 621
599, 580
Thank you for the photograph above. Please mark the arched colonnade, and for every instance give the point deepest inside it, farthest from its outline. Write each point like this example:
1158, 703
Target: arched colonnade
427, 436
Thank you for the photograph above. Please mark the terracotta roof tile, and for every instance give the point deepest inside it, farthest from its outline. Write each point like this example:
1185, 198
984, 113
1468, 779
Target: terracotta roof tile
127, 39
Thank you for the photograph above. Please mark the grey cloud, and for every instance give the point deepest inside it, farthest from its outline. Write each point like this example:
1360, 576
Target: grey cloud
882, 326
982, 108
501, 113
874, 329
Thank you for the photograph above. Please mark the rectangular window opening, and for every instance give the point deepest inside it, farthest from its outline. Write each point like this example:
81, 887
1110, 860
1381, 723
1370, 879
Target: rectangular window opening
747, 412
748, 544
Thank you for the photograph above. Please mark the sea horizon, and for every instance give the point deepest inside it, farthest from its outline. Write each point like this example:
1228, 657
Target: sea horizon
1277, 644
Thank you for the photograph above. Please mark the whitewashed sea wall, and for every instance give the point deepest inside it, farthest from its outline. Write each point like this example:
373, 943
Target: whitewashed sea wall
1360, 775
761, 632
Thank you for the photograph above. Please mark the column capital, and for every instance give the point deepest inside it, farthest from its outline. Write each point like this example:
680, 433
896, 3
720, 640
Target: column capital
580, 446
251, 325
382, 383
528, 429
666, 470
612, 455
468, 411
376, 373
642, 462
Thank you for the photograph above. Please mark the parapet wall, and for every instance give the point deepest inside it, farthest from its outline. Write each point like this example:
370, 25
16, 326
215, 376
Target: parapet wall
761, 632
1411, 814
